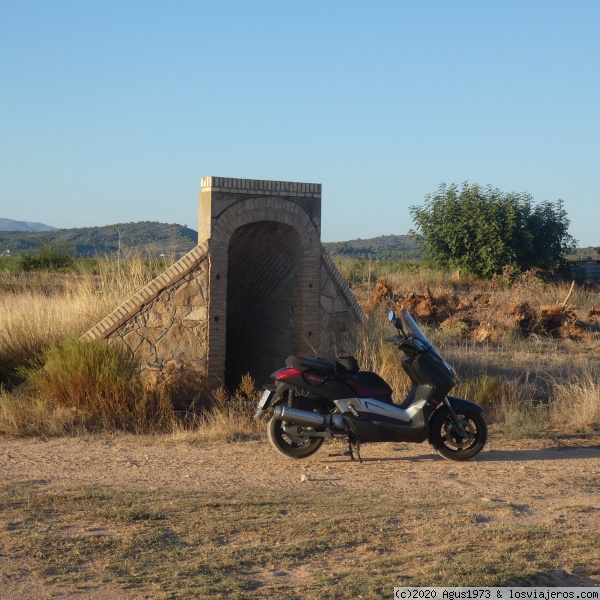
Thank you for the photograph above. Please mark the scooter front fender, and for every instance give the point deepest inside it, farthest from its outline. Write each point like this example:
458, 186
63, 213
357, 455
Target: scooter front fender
463, 405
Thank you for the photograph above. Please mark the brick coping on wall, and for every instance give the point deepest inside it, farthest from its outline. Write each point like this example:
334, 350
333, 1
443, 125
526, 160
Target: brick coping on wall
132, 306
261, 186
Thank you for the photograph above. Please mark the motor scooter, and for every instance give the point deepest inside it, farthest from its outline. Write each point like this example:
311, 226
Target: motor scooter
313, 400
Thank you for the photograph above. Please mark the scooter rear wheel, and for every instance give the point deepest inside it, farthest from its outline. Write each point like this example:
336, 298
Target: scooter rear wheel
449, 444
289, 443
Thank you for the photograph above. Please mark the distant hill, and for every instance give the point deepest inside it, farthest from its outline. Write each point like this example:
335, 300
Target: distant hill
10, 225
384, 247
152, 238
146, 237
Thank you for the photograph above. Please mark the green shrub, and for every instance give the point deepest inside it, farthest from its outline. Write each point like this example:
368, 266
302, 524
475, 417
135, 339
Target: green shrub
48, 257
96, 386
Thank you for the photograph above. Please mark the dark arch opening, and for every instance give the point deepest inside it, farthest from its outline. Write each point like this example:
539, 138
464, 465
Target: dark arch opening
264, 263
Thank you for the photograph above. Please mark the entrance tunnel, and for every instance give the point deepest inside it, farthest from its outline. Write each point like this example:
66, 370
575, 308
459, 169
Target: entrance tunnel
263, 300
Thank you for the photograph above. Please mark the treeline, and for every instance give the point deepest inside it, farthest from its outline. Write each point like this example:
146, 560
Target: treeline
153, 239
146, 237
588, 253
383, 247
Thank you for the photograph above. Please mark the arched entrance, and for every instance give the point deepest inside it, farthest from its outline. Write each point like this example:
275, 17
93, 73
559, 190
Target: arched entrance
264, 301
256, 288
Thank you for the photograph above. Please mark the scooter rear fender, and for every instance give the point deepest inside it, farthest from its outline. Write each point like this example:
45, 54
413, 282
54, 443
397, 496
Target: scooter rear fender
279, 393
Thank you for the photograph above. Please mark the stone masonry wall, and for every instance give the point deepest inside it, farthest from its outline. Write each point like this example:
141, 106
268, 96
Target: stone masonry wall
164, 327
258, 287
341, 318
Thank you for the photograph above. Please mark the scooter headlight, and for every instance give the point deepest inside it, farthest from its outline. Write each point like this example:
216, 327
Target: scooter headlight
419, 345
451, 369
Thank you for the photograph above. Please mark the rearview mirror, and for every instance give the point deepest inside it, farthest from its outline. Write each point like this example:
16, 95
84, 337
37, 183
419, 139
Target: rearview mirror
396, 321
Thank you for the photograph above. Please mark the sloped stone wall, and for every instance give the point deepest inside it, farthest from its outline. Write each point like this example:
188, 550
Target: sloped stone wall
341, 318
165, 326
259, 268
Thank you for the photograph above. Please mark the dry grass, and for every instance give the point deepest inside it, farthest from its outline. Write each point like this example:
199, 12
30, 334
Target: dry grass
577, 401
257, 543
532, 379
39, 310
82, 386
528, 382
228, 417
528, 387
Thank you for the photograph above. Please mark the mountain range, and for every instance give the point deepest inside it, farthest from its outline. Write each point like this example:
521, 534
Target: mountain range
147, 237
154, 238
10, 225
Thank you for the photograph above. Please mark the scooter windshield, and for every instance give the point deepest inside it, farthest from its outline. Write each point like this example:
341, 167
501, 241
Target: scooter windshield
412, 327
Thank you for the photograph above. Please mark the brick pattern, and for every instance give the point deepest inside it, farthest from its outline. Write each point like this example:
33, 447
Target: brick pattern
257, 288
262, 187
304, 283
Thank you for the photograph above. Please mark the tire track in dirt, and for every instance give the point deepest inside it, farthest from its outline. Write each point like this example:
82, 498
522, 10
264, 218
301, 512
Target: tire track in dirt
546, 483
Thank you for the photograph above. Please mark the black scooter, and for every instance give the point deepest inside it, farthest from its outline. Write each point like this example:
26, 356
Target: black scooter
313, 400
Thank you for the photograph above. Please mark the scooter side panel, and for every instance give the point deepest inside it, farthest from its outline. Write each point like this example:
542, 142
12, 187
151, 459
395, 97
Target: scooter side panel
379, 421
372, 406
379, 428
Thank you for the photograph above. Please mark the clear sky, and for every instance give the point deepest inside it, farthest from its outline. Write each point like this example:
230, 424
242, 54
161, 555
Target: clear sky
112, 111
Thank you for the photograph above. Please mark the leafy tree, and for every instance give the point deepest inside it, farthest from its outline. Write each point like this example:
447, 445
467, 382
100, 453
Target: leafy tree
481, 229
47, 258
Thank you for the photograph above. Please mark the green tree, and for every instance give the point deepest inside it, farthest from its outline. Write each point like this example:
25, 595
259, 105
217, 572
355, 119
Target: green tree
481, 229
48, 257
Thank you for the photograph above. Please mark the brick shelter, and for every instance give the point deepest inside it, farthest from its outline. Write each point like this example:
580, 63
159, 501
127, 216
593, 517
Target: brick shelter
258, 287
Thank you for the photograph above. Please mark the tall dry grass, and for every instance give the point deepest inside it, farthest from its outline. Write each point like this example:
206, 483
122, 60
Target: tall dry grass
228, 417
39, 310
577, 401
528, 386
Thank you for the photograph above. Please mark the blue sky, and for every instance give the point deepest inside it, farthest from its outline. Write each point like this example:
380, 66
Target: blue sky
113, 111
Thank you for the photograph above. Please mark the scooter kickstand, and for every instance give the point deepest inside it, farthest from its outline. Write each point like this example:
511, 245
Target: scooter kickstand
354, 447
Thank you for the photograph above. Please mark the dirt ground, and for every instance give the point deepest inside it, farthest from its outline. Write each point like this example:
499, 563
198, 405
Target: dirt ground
545, 477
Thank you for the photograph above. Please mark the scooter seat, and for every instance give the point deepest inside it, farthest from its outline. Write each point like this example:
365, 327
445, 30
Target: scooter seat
303, 363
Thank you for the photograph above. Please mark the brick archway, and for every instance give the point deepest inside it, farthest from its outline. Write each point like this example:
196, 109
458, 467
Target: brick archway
263, 300
258, 275
265, 288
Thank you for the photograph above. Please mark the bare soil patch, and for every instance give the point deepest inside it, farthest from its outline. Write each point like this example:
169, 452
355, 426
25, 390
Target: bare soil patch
550, 484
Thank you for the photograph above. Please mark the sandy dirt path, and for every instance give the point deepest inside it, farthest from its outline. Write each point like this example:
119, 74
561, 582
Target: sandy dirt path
544, 478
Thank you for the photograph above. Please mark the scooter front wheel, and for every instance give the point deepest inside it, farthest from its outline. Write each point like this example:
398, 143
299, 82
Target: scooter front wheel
288, 440
452, 445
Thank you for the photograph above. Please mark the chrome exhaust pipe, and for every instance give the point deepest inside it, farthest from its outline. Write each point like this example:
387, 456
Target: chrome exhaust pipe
299, 417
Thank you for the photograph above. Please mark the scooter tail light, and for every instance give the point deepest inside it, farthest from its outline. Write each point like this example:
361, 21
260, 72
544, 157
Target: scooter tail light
287, 373
314, 379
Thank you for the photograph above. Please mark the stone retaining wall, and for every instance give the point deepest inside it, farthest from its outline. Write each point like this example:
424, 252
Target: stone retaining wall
258, 288
164, 327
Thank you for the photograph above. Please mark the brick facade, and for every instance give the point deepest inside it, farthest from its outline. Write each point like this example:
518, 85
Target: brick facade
258, 287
